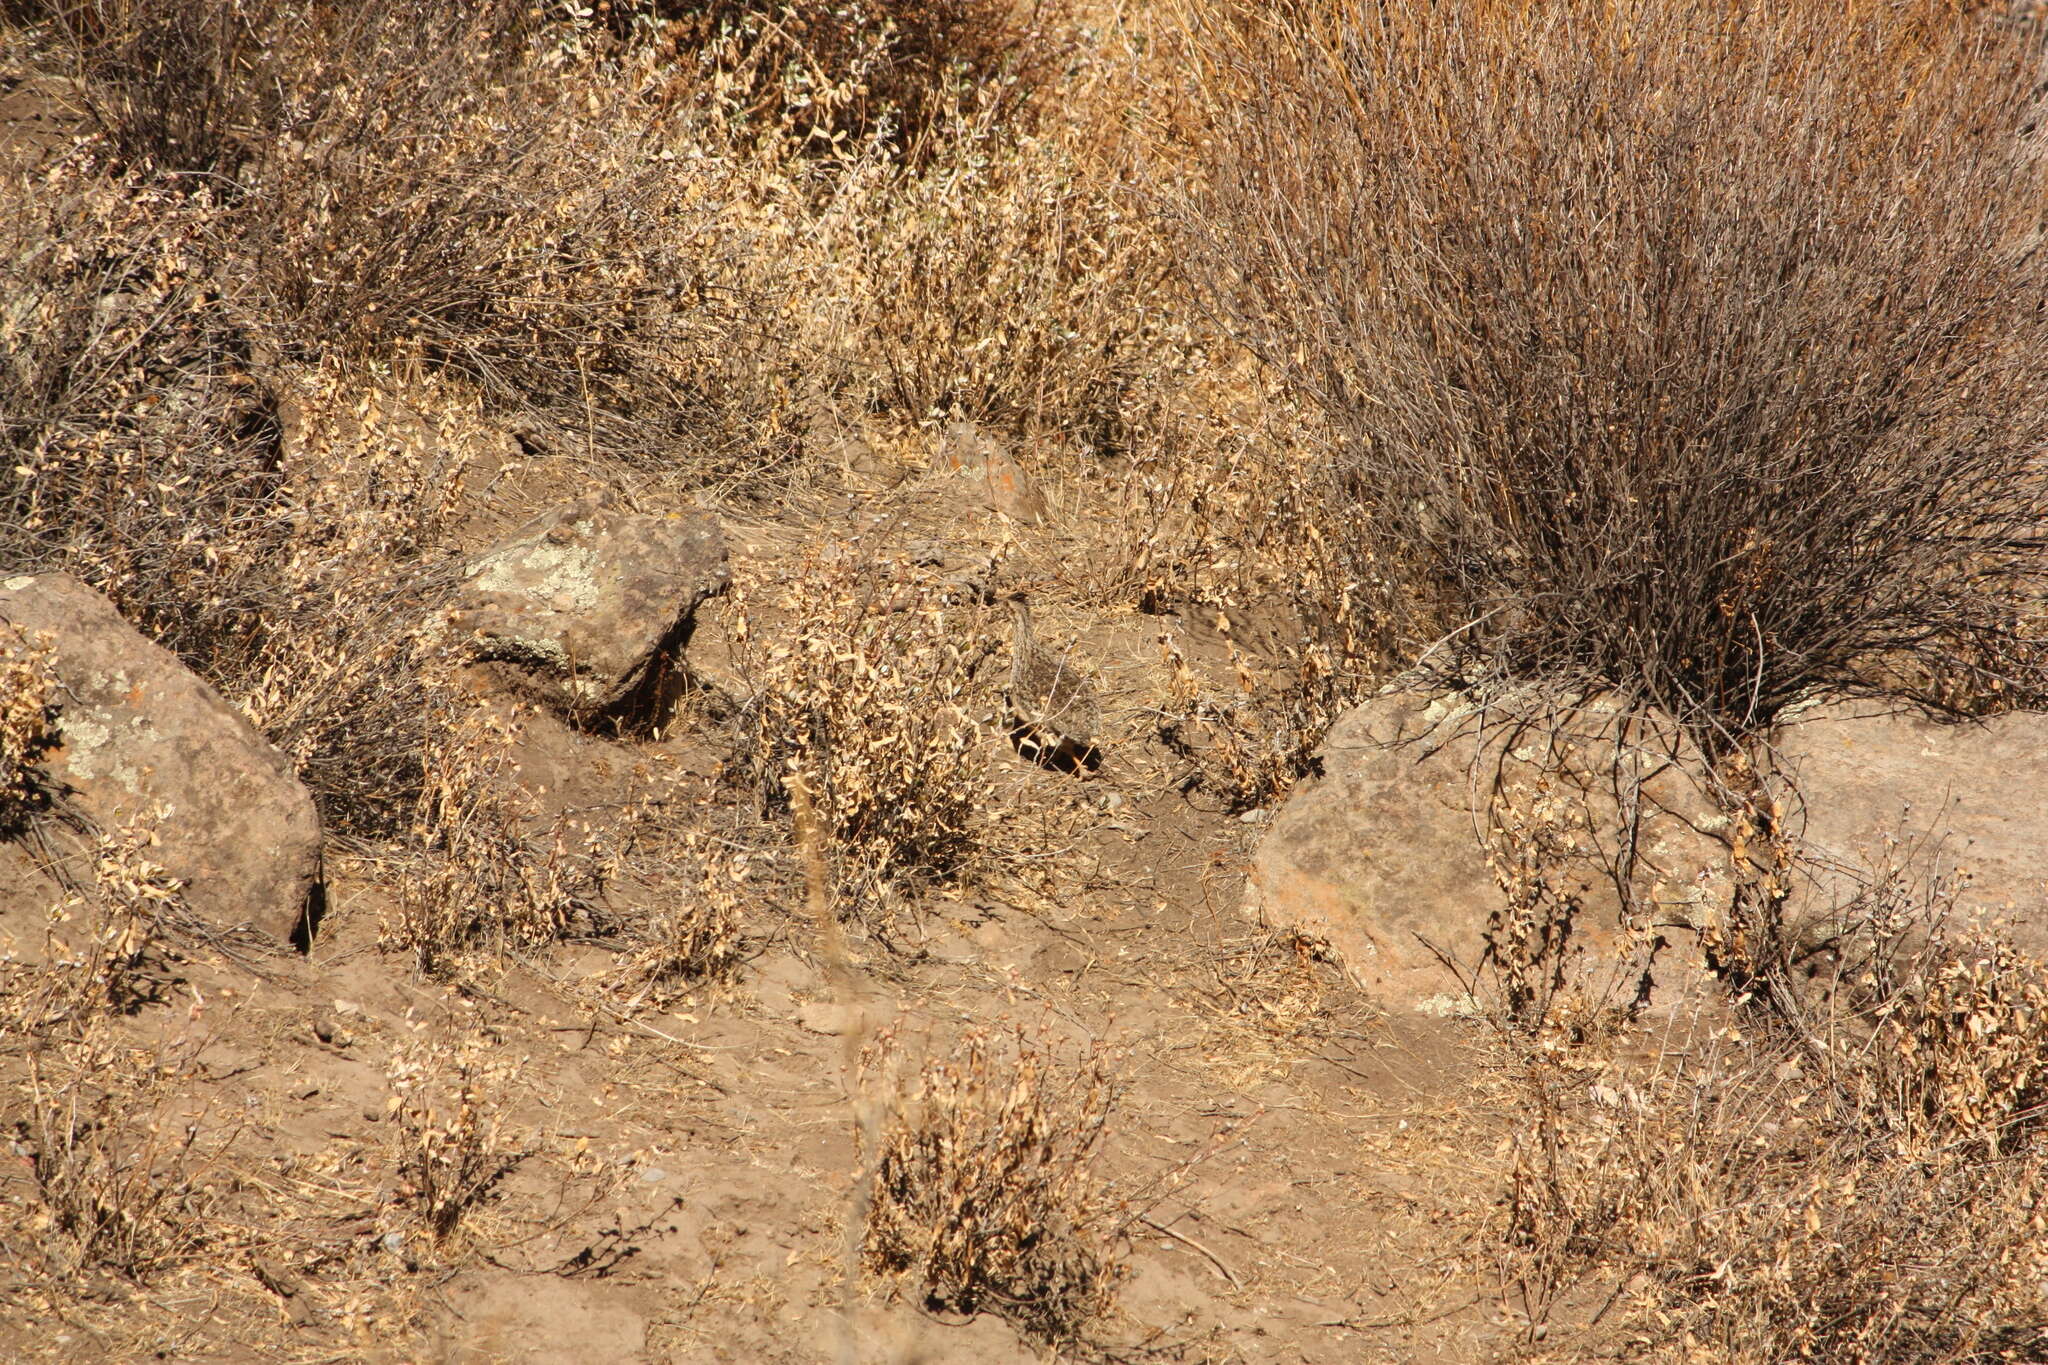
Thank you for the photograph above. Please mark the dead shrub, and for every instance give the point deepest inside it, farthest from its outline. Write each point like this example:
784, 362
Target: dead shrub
866, 701
1865, 1187
1680, 349
141, 455
109, 938
892, 72
119, 1177
695, 935
145, 457
1226, 516
984, 1186
1006, 284
446, 1109
167, 86
487, 875
580, 262
27, 712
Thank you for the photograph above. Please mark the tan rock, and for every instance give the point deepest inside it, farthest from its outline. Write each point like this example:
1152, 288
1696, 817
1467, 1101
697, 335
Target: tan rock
142, 740
594, 604
1882, 783
1385, 856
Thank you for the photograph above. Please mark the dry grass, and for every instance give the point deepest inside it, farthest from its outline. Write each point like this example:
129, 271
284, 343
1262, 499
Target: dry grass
449, 1147
126, 1173
985, 1189
107, 940
1663, 346
868, 700
27, 709
489, 876
1860, 1186
893, 74
697, 933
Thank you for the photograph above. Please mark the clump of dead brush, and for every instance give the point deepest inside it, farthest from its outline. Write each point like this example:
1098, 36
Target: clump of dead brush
1664, 332
1002, 283
984, 1187
487, 874
694, 936
1226, 517
140, 454
449, 1149
118, 1175
818, 78
866, 701
107, 943
27, 712
147, 455
1862, 1186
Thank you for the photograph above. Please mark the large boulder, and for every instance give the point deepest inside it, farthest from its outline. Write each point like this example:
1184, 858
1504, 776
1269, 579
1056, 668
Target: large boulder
1392, 856
1389, 856
141, 740
1881, 785
593, 604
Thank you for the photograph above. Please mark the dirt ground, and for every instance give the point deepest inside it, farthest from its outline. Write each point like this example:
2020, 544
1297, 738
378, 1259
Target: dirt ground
1305, 1177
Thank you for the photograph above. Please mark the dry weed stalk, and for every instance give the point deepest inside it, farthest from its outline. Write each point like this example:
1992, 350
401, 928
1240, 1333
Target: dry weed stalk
27, 710
695, 935
985, 1189
446, 1108
1864, 1187
120, 1177
1229, 517
106, 944
1534, 850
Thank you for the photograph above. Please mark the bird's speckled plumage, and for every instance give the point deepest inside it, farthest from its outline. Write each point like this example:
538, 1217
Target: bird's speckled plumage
1048, 695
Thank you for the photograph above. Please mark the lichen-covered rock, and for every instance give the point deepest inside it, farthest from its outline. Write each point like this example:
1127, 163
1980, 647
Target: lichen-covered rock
140, 740
1385, 857
594, 604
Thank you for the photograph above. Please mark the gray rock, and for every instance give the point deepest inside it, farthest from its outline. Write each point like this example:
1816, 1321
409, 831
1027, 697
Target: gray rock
141, 739
593, 603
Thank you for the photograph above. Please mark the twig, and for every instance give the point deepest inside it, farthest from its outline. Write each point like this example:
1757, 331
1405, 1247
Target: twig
1190, 1242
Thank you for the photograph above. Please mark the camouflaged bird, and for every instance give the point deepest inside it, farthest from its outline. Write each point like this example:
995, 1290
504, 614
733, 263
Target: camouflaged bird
1053, 708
